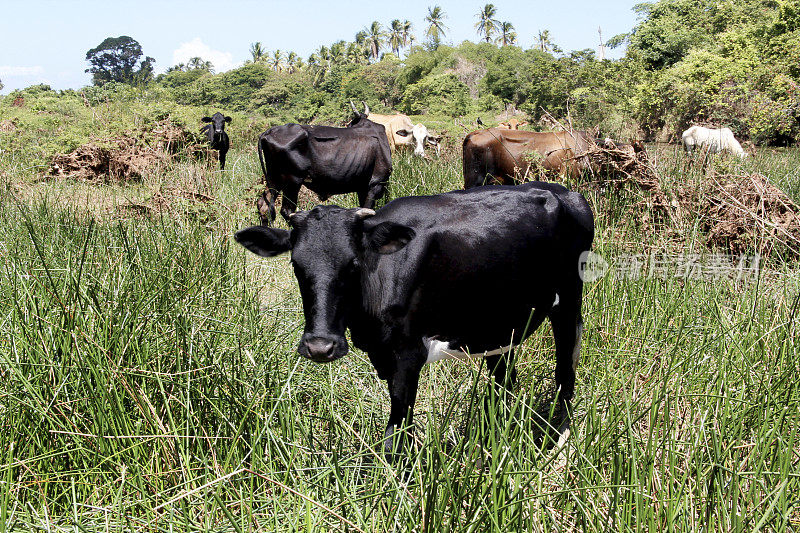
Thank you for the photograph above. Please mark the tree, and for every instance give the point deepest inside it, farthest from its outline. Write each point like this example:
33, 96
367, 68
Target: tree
668, 30
408, 37
277, 61
197, 63
293, 63
436, 28
545, 44
507, 34
338, 52
396, 36
257, 52
118, 59
487, 24
375, 39
357, 53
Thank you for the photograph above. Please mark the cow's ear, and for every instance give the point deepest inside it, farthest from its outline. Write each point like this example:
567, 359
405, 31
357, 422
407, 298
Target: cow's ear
403, 133
228, 119
522, 124
205, 119
263, 241
388, 237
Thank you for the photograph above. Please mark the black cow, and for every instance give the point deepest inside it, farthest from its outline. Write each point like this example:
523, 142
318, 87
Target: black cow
327, 160
217, 138
434, 277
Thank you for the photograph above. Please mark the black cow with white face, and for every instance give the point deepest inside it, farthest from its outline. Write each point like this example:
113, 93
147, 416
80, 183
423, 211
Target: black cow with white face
426, 278
326, 160
217, 138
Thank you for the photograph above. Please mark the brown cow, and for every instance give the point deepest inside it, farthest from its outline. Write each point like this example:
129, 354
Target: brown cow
498, 155
512, 124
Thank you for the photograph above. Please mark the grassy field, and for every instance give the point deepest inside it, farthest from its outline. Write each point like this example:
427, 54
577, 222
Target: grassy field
150, 380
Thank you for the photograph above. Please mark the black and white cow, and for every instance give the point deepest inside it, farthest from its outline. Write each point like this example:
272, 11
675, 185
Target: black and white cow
435, 277
217, 138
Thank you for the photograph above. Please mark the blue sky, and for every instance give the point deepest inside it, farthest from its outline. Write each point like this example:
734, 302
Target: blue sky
45, 41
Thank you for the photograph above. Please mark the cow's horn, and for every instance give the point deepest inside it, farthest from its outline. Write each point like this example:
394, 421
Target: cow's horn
366, 108
354, 107
363, 213
297, 217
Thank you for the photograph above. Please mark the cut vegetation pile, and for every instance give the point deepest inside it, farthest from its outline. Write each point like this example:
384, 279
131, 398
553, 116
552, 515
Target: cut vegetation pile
123, 159
127, 158
745, 213
738, 213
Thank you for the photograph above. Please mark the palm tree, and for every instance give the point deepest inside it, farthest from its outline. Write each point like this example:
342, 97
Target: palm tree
338, 52
406, 33
292, 61
374, 39
357, 53
277, 61
396, 36
487, 24
197, 63
436, 28
319, 63
507, 34
545, 44
258, 52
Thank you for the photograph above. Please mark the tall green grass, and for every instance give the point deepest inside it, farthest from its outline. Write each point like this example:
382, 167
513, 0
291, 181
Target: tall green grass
150, 383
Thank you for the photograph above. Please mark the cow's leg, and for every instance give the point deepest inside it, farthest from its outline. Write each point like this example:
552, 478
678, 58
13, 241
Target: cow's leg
498, 366
567, 331
403, 393
374, 192
222, 160
266, 205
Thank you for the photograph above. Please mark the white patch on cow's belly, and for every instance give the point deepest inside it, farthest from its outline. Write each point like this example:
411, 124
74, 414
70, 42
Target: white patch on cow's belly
576, 352
438, 350
555, 302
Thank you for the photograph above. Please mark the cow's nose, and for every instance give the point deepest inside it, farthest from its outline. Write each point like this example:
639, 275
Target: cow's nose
319, 349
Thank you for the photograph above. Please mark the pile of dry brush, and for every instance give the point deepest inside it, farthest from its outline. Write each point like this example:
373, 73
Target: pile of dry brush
127, 157
738, 214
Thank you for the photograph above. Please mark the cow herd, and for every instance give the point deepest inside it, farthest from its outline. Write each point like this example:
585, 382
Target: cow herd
467, 273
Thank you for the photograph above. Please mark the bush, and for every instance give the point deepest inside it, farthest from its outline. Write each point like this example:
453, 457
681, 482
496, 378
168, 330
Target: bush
443, 94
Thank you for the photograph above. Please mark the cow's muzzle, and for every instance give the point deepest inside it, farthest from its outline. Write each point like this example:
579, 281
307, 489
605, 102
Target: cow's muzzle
322, 348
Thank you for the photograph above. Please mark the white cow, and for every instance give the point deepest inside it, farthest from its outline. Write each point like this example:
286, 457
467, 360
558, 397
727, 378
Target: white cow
401, 132
715, 140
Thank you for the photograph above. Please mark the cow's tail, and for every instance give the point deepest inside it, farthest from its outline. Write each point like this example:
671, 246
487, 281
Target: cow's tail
265, 202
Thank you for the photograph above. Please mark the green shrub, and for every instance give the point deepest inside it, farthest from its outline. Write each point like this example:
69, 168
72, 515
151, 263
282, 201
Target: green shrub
442, 94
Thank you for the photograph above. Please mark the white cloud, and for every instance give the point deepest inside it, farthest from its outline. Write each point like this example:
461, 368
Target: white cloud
222, 61
7, 71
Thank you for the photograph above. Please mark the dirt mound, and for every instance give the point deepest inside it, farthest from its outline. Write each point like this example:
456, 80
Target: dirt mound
128, 158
